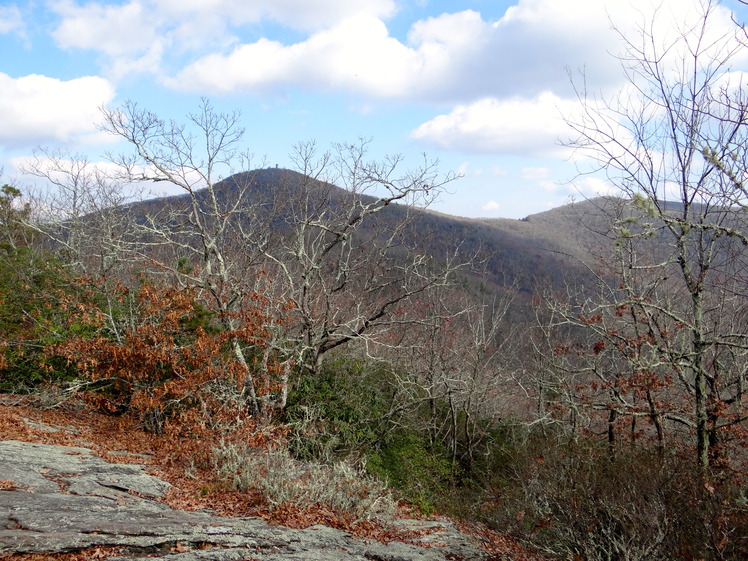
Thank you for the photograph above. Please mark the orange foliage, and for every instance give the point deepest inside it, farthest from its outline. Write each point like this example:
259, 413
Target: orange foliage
168, 360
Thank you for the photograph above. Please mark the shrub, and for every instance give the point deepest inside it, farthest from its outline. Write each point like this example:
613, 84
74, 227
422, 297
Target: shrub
356, 409
36, 294
283, 480
156, 354
340, 412
422, 472
576, 500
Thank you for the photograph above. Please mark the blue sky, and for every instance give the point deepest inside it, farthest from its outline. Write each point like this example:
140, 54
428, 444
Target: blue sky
478, 84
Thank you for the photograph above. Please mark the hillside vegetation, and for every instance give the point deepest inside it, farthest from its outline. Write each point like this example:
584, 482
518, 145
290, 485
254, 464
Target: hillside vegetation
317, 343
303, 378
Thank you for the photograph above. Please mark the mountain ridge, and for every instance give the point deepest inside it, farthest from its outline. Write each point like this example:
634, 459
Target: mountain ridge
516, 251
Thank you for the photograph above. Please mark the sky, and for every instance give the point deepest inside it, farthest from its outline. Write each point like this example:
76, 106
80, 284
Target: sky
480, 85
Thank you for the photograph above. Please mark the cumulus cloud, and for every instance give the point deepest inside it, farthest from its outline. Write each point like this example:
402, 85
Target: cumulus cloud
355, 54
455, 57
30, 108
130, 35
568, 29
446, 58
450, 57
523, 127
491, 206
533, 125
114, 30
136, 36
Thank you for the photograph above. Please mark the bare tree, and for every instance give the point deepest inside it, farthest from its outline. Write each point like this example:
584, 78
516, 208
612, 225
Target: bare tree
81, 211
348, 254
675, 145
453, 360
192, 238
331, 265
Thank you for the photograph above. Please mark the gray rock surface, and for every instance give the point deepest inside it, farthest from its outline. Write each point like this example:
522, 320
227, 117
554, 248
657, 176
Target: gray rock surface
68, 499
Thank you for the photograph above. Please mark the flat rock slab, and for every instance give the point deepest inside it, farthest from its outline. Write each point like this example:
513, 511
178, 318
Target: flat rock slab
68, 499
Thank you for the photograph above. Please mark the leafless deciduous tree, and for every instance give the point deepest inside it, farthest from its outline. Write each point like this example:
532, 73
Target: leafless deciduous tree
675, 143
316, 242
459, 360
348, 255
81, 210
191, 156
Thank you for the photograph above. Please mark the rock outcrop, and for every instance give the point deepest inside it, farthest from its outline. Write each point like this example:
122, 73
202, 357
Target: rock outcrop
60, 499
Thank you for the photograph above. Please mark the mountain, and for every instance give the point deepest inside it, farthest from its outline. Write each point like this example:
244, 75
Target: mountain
547, 245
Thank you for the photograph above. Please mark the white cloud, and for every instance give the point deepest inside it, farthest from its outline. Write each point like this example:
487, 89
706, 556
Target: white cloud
568, 29
455, 57
548, 186
593, 187
534, 125
36, 109
463, 168
297, 14
136, 35
357, 54
450, 57
61, 163
133, 36
114, 30
101, 177
541, 177
535, 174
515, 126
10, 19
491, 206
446, 58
